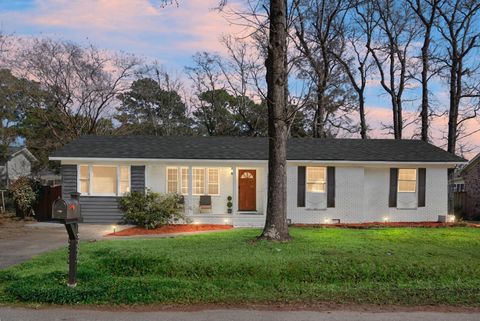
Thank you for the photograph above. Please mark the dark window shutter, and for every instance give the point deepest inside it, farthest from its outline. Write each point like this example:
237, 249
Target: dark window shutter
330, 186
422, 179
301, 186
392, 197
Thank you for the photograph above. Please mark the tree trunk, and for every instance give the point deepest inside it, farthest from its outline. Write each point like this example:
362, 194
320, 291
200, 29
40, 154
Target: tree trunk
363, 122
425, 102
276, 227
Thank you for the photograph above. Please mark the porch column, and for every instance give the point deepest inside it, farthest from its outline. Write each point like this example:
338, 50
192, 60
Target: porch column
234, 190
190, 191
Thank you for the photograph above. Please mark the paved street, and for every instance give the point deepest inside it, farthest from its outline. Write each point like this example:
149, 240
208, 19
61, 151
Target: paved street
20, 314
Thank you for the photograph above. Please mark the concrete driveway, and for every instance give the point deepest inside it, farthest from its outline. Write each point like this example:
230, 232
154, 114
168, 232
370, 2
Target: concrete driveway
20, 241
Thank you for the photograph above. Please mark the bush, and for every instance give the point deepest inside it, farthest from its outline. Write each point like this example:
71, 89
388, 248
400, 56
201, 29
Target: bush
24, 192
151, 210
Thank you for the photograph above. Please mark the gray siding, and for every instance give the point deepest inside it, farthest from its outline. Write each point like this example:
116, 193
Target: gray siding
137, 178
69, 180
100, 209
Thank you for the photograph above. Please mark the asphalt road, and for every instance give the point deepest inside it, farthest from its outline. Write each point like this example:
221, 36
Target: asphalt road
54, 314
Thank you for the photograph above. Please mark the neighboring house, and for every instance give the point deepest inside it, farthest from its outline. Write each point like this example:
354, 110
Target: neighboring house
471, 176
328, 180
19, 163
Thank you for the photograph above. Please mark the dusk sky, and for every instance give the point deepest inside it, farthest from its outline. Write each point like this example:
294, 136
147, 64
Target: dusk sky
170, 35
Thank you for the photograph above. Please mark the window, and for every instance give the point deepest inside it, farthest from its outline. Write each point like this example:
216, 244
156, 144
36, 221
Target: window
84, 179
407, 180
198, 177
213, 181
184, 181
316, 179
172, 180
124, 180
104, 180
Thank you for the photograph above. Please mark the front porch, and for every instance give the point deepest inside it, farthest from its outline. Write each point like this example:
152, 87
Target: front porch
207, 186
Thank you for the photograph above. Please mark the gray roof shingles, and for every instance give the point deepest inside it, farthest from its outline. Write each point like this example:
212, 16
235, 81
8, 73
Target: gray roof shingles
253, 148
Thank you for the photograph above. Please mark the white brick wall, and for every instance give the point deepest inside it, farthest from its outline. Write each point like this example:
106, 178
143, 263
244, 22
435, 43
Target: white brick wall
362, 196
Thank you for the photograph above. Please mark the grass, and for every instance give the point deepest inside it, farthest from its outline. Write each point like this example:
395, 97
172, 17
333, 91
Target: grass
407, 266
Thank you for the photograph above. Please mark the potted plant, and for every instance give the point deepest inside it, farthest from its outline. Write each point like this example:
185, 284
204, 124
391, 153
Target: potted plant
229, 205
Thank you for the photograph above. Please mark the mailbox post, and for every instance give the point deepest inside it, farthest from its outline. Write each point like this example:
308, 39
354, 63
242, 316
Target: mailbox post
68, 212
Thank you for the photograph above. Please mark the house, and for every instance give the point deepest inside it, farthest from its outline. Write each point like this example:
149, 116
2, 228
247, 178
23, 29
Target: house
19, 162
471, 176
329, 180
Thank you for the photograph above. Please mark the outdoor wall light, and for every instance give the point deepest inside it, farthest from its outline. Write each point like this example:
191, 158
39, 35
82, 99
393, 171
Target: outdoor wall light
451, 218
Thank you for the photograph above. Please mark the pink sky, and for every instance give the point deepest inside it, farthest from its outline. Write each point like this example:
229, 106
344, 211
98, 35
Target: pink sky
170, 35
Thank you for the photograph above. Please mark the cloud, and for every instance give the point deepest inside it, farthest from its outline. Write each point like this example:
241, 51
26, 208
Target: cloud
129, 25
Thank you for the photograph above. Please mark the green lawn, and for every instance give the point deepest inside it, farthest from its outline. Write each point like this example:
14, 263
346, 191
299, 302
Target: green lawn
412, 266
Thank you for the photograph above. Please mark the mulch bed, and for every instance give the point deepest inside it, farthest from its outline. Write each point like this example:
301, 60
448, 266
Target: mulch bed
391, 224
170, 229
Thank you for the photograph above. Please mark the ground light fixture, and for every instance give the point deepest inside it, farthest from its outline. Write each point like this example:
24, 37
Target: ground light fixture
386, 219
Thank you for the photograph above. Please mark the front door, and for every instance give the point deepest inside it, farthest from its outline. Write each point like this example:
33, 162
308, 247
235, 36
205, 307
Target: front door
247, 190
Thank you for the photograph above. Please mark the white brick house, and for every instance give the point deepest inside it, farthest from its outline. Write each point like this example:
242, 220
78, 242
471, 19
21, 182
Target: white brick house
333, 180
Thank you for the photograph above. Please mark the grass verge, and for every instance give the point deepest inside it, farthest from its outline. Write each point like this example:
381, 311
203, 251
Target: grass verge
406, 266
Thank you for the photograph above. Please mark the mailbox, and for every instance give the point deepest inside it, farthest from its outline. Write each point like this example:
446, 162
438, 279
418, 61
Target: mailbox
67, 210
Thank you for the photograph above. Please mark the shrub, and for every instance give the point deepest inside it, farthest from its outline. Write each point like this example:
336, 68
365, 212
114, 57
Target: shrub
150, 209
24, 192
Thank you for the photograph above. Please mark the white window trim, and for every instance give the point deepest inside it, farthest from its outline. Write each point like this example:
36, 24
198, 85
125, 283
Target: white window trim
205, 179
129, 179
324, 182
166, 178
416, 181
90, 170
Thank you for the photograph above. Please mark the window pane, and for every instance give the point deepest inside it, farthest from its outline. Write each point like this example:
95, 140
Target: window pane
83, 172
104, 180
407, 174
213, 181
316, 179
124, 173
124, 187
406, 186
316, 187
184, 181
172, 180
84, 186
198, 181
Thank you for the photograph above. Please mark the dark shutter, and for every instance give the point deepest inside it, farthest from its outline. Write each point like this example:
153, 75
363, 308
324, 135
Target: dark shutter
422, 179
330, 186
137, 178
392, 197
301, 186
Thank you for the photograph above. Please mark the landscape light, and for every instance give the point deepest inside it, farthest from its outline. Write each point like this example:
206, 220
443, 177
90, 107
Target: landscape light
326, 220
114, 228
385, 219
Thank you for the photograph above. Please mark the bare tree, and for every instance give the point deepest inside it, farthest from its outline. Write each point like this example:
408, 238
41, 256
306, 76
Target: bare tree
318, 39
390, 51
426, 12
82, 82
356, 59
459, 27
